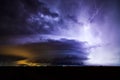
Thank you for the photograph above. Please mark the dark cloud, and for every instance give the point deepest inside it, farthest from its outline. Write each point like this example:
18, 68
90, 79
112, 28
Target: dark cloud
62, 52
53, 52
14, 15
61, 18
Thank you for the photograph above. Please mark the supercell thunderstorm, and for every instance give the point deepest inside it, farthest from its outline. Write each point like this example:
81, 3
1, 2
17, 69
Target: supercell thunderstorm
82, 28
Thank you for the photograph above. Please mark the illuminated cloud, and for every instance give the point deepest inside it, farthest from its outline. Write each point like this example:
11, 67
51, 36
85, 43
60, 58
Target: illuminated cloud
95, 23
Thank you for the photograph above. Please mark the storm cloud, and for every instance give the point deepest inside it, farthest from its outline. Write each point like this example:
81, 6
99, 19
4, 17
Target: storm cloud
56, 23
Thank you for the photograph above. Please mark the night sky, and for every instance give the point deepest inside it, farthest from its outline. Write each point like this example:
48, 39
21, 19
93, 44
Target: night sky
59, 32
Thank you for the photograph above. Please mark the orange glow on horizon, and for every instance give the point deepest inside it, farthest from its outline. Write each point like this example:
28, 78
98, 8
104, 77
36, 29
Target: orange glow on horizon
27, 63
